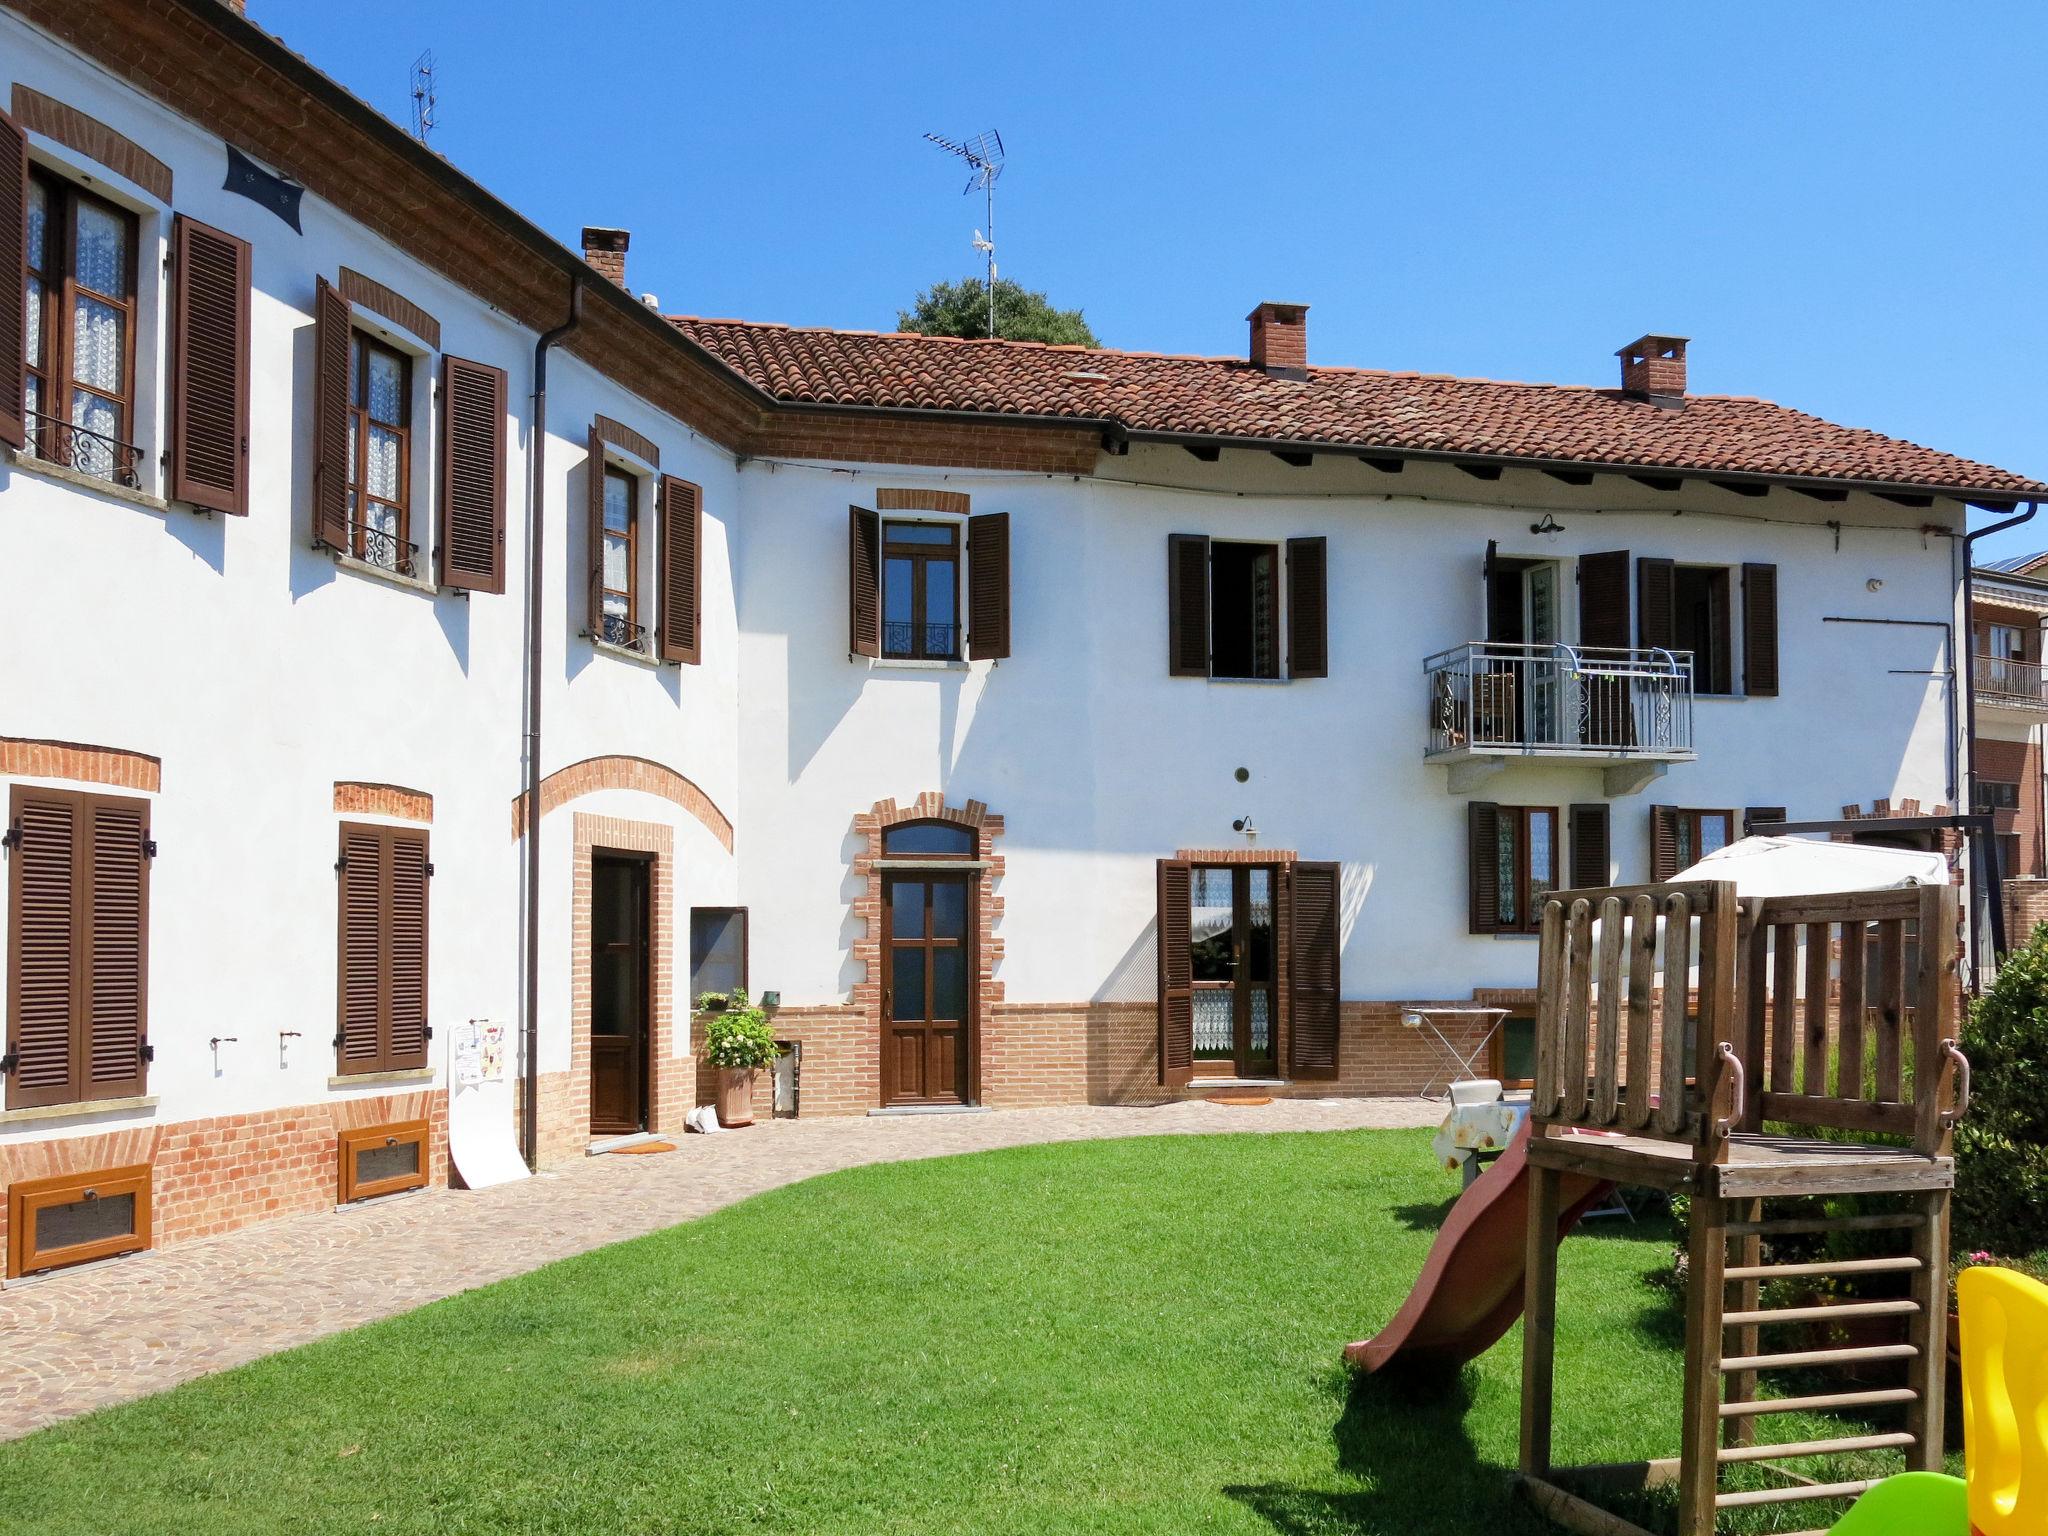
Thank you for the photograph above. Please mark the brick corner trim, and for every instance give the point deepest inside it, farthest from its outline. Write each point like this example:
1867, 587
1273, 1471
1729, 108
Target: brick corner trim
28, 758
621, 772
354, 797
368, 293
74, 130
892, 499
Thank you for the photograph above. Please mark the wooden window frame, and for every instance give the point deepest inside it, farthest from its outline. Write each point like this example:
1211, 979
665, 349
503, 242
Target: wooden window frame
361, 345
973, 839
746, 947
631, 593
385, 1058
352, 1143
1716, 662
27, 1198
1241, 987
1528, 918
1275, 628
80, 1089
920, 557
53, 372
1687, 828
1497, 1053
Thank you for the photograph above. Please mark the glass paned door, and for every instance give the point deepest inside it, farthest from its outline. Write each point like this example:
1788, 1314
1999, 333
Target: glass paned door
1231, 941
927, 990
620, 986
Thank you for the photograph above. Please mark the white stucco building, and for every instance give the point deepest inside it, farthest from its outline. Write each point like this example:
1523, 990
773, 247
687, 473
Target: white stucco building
1040, 725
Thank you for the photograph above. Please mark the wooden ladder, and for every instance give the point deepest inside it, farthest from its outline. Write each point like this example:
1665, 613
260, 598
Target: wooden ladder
1721, 1383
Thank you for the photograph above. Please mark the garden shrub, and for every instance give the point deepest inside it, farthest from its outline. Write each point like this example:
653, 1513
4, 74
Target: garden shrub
2002, 1143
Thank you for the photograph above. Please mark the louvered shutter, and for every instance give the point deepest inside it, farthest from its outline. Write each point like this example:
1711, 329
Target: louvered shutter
1592, 848
864, 582
1603, 599
1308, 607
1656, 603
1482, 860
988, 586
209, 367
405, 937
1663, 842
1314, 945
593, 574
1176, 975
44, 985
1187, 605
472, 490
117, 962
362, 893
682, 575
330, 416
13, 282
1760, 630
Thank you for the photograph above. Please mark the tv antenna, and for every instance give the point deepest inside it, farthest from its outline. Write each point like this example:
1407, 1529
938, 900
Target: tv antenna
423, 95
984, 155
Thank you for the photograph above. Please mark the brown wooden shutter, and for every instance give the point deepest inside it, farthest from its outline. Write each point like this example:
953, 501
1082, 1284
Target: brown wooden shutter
1603, 599
472, 491
1663, 842
1176, 975
359, 1035
1187, 605
44, 987
1656, 603
988, 586
864, 581
1482, 862
117, 942
13, 283
209, 367
593, 555
330, 416
1314, 945
682, 571
1592, 852
1760, 630
1308, 607
405, 935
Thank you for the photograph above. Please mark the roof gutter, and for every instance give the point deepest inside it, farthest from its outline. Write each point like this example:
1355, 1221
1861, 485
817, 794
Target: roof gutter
1990, 844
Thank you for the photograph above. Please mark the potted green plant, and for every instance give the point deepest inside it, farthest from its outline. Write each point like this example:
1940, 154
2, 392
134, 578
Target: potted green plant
737, 1041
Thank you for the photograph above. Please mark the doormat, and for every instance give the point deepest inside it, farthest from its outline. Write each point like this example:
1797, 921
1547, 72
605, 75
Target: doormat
642, 1148
1246, 1099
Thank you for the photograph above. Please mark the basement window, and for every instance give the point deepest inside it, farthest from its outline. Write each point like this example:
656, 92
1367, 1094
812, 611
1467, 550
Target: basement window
1244, 610
75, 1218
383, 1159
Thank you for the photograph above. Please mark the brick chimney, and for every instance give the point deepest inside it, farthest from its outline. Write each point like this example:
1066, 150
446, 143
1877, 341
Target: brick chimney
605, 249
1280, 339
1653, 368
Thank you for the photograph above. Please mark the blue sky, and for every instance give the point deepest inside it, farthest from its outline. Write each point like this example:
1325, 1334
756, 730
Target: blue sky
1843, 205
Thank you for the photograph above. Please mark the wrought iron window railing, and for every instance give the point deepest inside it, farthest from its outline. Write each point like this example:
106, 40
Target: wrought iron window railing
80, 448
1491, 696
383, 548
621, 632
2007, 678
936, 642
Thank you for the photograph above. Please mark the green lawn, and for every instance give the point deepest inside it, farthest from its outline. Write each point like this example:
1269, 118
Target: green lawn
1126, 1336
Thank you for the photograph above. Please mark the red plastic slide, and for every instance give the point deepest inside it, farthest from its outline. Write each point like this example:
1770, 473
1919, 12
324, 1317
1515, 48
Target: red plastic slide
1470, 1290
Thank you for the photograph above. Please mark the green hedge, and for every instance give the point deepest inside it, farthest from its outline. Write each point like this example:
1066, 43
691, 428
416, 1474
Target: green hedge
2002, 1143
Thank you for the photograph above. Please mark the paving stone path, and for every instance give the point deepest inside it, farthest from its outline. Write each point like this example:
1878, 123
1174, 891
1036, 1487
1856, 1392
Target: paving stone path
84, 1339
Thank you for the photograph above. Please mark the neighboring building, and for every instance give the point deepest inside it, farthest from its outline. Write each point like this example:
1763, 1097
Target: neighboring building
1042, 725
2010, 607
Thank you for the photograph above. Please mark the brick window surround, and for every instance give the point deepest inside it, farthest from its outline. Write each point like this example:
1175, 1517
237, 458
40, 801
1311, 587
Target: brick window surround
671, 1079
988, 908
619, 772
27, 758
73, 129
356, 797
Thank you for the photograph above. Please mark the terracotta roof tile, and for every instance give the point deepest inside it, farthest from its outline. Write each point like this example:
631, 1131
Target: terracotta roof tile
1147, 393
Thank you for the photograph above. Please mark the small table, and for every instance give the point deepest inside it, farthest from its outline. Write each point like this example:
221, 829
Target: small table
1453, 1065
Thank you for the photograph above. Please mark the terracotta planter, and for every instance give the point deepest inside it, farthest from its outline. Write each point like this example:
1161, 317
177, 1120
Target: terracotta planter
736, 1097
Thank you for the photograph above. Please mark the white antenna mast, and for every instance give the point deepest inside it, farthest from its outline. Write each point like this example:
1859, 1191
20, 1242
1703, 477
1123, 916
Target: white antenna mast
423, 98
984, 153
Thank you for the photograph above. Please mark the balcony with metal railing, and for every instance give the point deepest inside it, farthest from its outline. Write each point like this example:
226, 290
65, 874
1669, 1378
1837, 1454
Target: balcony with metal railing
2013, 684
921, 642
1493, 702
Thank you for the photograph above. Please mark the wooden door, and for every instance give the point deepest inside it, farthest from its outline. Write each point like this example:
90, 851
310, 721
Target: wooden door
927, 989
619, 994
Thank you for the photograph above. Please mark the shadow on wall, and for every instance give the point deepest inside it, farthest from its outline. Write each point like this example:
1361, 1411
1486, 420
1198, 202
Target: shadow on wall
852, 926
203, 533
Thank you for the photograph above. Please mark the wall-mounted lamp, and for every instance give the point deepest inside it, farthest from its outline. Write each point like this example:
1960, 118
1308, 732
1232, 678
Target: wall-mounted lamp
1244, 824
1548, 524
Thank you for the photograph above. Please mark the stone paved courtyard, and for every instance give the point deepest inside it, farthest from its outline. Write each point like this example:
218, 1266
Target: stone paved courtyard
87, 1338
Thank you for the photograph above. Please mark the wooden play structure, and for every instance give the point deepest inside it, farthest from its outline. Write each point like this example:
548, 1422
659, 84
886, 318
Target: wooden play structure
1675, 1023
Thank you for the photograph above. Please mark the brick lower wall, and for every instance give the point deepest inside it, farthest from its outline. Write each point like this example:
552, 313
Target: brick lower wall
2026, 906
216, 1175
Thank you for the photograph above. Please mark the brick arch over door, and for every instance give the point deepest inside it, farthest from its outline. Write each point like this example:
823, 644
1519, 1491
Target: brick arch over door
988, 907
619, 772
